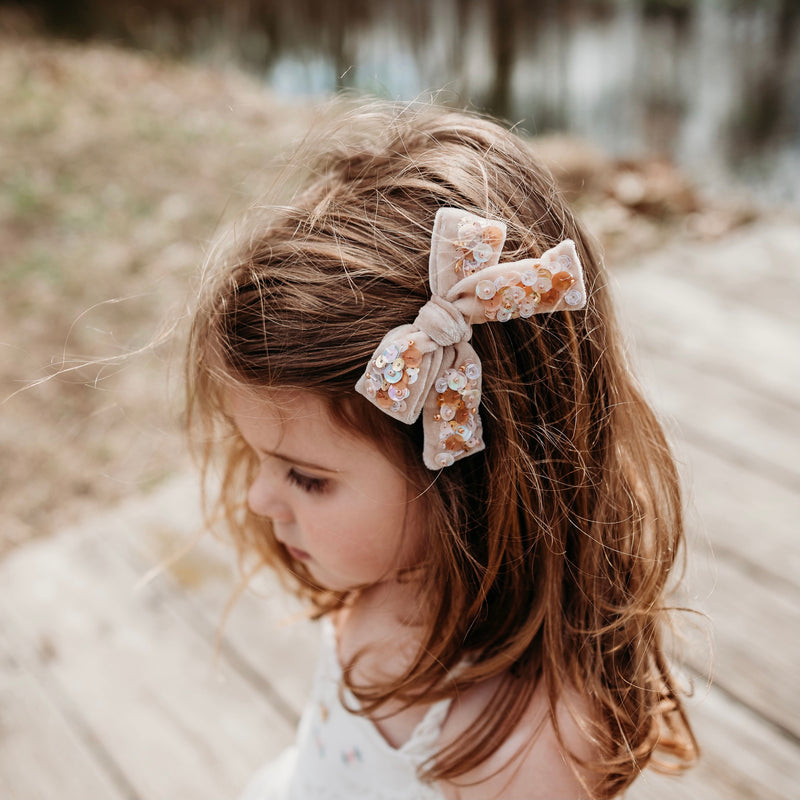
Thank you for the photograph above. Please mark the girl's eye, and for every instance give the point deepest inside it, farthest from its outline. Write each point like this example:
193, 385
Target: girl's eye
307, 483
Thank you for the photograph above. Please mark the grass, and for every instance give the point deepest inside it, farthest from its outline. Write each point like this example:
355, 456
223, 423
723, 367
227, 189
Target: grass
118, 169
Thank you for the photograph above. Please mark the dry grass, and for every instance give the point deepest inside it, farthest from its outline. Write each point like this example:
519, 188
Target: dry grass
118, 168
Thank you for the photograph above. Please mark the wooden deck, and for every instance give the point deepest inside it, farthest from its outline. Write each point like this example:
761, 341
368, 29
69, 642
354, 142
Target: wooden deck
110, 688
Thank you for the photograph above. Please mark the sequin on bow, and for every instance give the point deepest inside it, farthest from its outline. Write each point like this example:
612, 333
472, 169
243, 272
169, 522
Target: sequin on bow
522, 294
391, 373
459, 396
477, 242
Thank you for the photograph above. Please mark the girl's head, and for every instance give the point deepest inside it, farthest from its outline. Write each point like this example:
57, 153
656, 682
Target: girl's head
544, 557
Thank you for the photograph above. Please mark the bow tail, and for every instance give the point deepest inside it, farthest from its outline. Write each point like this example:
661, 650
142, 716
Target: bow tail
401, 372
451, 421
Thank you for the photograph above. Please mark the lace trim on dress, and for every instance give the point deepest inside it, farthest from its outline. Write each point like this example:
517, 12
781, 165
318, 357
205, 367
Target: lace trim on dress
421, 745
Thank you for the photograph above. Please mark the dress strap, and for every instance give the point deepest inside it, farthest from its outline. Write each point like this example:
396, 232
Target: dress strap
421, 745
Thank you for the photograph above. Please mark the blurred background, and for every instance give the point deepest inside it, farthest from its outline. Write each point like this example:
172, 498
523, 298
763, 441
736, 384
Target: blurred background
131, 131
131, 134
711, 85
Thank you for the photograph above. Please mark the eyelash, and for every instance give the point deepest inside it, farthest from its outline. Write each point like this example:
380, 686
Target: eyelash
307, 483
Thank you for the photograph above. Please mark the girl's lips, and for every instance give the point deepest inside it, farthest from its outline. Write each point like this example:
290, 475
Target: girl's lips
298, 554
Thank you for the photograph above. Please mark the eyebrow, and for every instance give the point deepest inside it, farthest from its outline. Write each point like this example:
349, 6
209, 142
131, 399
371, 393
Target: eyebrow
287, 459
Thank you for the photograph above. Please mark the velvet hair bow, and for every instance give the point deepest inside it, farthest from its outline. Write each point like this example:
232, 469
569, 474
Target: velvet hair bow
429, 366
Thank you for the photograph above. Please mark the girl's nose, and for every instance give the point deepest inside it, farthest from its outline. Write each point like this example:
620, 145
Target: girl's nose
264, 500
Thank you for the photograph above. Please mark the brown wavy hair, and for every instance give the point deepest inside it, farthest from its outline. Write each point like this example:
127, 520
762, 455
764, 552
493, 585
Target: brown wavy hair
550, 553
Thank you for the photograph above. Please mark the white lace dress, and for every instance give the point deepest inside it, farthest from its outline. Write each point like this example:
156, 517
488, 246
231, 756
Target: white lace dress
341, 756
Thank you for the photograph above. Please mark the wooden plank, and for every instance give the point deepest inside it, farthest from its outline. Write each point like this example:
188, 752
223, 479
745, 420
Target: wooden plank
265, 633
252, 624
726, 371
716, 334
724, 417
42, 753
757, 266
745, 517
741, 758
176, 722
753, 653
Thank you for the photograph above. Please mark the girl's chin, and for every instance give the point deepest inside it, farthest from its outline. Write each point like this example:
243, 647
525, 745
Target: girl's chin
330, 581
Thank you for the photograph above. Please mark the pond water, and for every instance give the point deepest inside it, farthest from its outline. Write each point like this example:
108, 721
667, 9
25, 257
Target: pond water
712, 84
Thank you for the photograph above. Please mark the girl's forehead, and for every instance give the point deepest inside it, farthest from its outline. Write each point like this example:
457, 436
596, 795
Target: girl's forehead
298, 425
283, 410
298, 428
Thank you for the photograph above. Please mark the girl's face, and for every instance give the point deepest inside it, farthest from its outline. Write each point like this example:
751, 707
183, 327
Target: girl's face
336, 502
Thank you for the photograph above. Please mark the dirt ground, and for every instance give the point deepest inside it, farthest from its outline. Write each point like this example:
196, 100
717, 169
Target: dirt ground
118, 170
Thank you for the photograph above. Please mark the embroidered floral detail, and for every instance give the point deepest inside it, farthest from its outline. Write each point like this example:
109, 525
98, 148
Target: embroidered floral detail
391, 373
352, 755
459, 396
477, 242
323, 711
522, 294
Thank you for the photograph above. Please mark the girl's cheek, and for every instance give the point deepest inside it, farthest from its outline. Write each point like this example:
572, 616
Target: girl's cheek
256, 499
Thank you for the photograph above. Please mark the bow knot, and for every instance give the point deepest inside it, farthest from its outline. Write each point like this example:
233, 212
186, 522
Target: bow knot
443, 322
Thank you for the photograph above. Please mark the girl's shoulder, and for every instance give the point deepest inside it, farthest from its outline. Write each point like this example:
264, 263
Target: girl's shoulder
530, 763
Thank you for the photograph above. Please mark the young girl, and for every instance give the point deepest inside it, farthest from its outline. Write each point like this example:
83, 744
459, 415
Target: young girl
417, 384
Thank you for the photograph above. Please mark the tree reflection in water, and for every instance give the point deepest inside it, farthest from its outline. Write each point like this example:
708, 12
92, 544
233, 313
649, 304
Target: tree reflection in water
713, 85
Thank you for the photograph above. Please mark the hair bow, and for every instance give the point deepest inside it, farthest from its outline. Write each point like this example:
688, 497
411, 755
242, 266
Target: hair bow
429, 366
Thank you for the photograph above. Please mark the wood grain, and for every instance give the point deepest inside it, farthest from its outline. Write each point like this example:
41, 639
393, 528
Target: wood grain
114, 688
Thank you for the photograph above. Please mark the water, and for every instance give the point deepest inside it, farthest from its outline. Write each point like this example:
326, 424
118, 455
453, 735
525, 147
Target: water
712, 84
